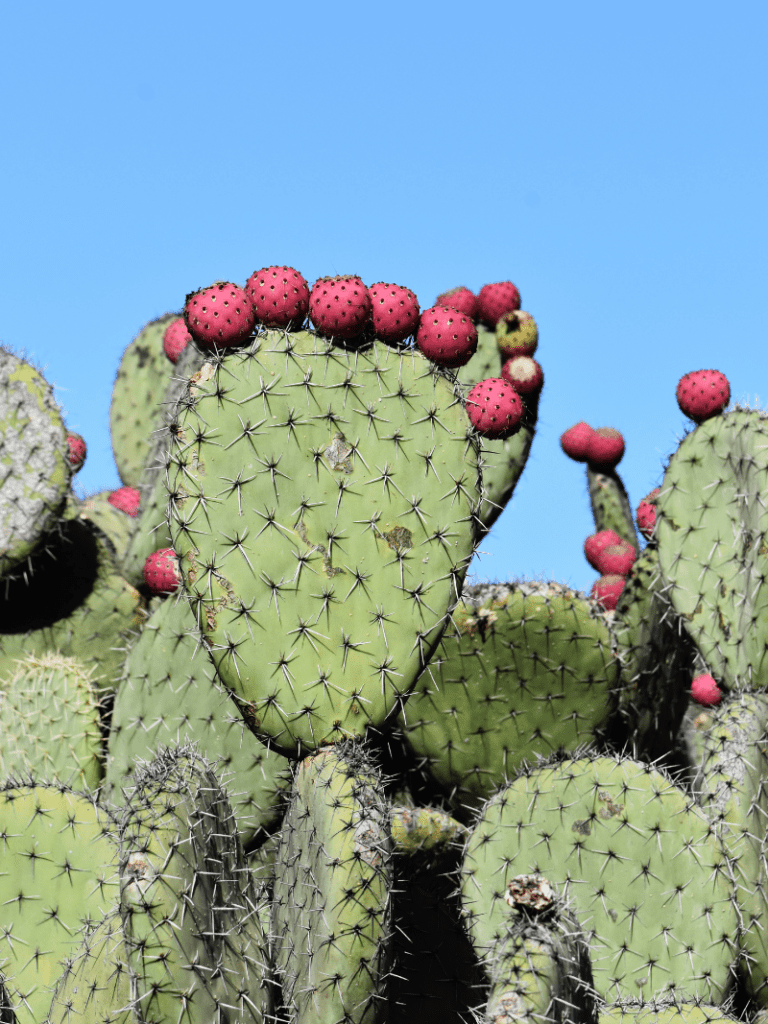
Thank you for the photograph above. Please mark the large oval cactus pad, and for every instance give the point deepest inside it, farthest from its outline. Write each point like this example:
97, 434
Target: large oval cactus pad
323, 505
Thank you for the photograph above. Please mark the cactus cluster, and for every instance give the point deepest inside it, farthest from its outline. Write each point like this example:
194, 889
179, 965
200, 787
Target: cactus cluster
266, 754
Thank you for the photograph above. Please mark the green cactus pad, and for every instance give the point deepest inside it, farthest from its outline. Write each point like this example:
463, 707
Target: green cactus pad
333, 875
656, 660
117, 526
59, 874
712, 534
503, 461
168, 696
640, 865
423, 830
34, 469
663, 1011
73, 601
528, 672
49, 721
610, 505
95, 986
190, 917
323, 503
539, 968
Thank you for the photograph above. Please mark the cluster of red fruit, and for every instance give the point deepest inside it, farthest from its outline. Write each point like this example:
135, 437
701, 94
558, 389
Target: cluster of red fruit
345, 309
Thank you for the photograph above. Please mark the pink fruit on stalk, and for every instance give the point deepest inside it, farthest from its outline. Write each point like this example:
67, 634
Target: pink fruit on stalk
220, 315
126, 499
575, 441
161, 571
340, 307
494, 300
703, 393
705, 691
76, 450
596, 543
446, 336
394, 311
494, 408
645, 515
517, 334
607, 590
616, 559
280, 296
460, 298
605, 448
524, 374
175, 339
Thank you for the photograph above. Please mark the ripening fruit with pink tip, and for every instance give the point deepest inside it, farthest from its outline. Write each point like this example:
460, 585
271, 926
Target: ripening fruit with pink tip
596, 543
126, 499
161, 571
575, 441
446, 336
605, 448
460, 298
76, 450
524, 374
219, 316
279, 295
340, 307
616, 559
607, 590
494, 300
494, 408
176, 338
705, 691
703, 393
645, 514
394, 311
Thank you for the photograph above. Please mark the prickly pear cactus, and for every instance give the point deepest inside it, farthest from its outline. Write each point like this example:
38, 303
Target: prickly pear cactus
712, 534
639, 863
323, 503
34, 469
333, 876
610, 505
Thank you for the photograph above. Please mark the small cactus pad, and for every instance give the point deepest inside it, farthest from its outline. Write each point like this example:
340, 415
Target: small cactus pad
712, 534
168, 696
333, 875
59, 877
35, 470
529, 671
611, 509
49, 721
322, 505
640, 865
665, 1011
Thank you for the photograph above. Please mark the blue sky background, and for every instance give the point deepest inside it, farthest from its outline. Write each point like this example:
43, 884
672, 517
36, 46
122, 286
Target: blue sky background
608, 158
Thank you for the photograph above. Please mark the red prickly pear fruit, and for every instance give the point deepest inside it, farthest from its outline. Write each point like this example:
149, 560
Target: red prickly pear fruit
280, 296
616, 559
394, 311
126, 499
705, 691
446, 336
494, 408
175, 339
575, 441
76, 450
596, 543
460, 298
605, 448
703, 393
494, 300
607, 590
220, 315
524, 374
161, 571
646, 513
340, 307
517, 334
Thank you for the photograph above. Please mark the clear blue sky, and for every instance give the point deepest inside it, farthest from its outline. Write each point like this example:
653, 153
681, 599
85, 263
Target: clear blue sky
609, 158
